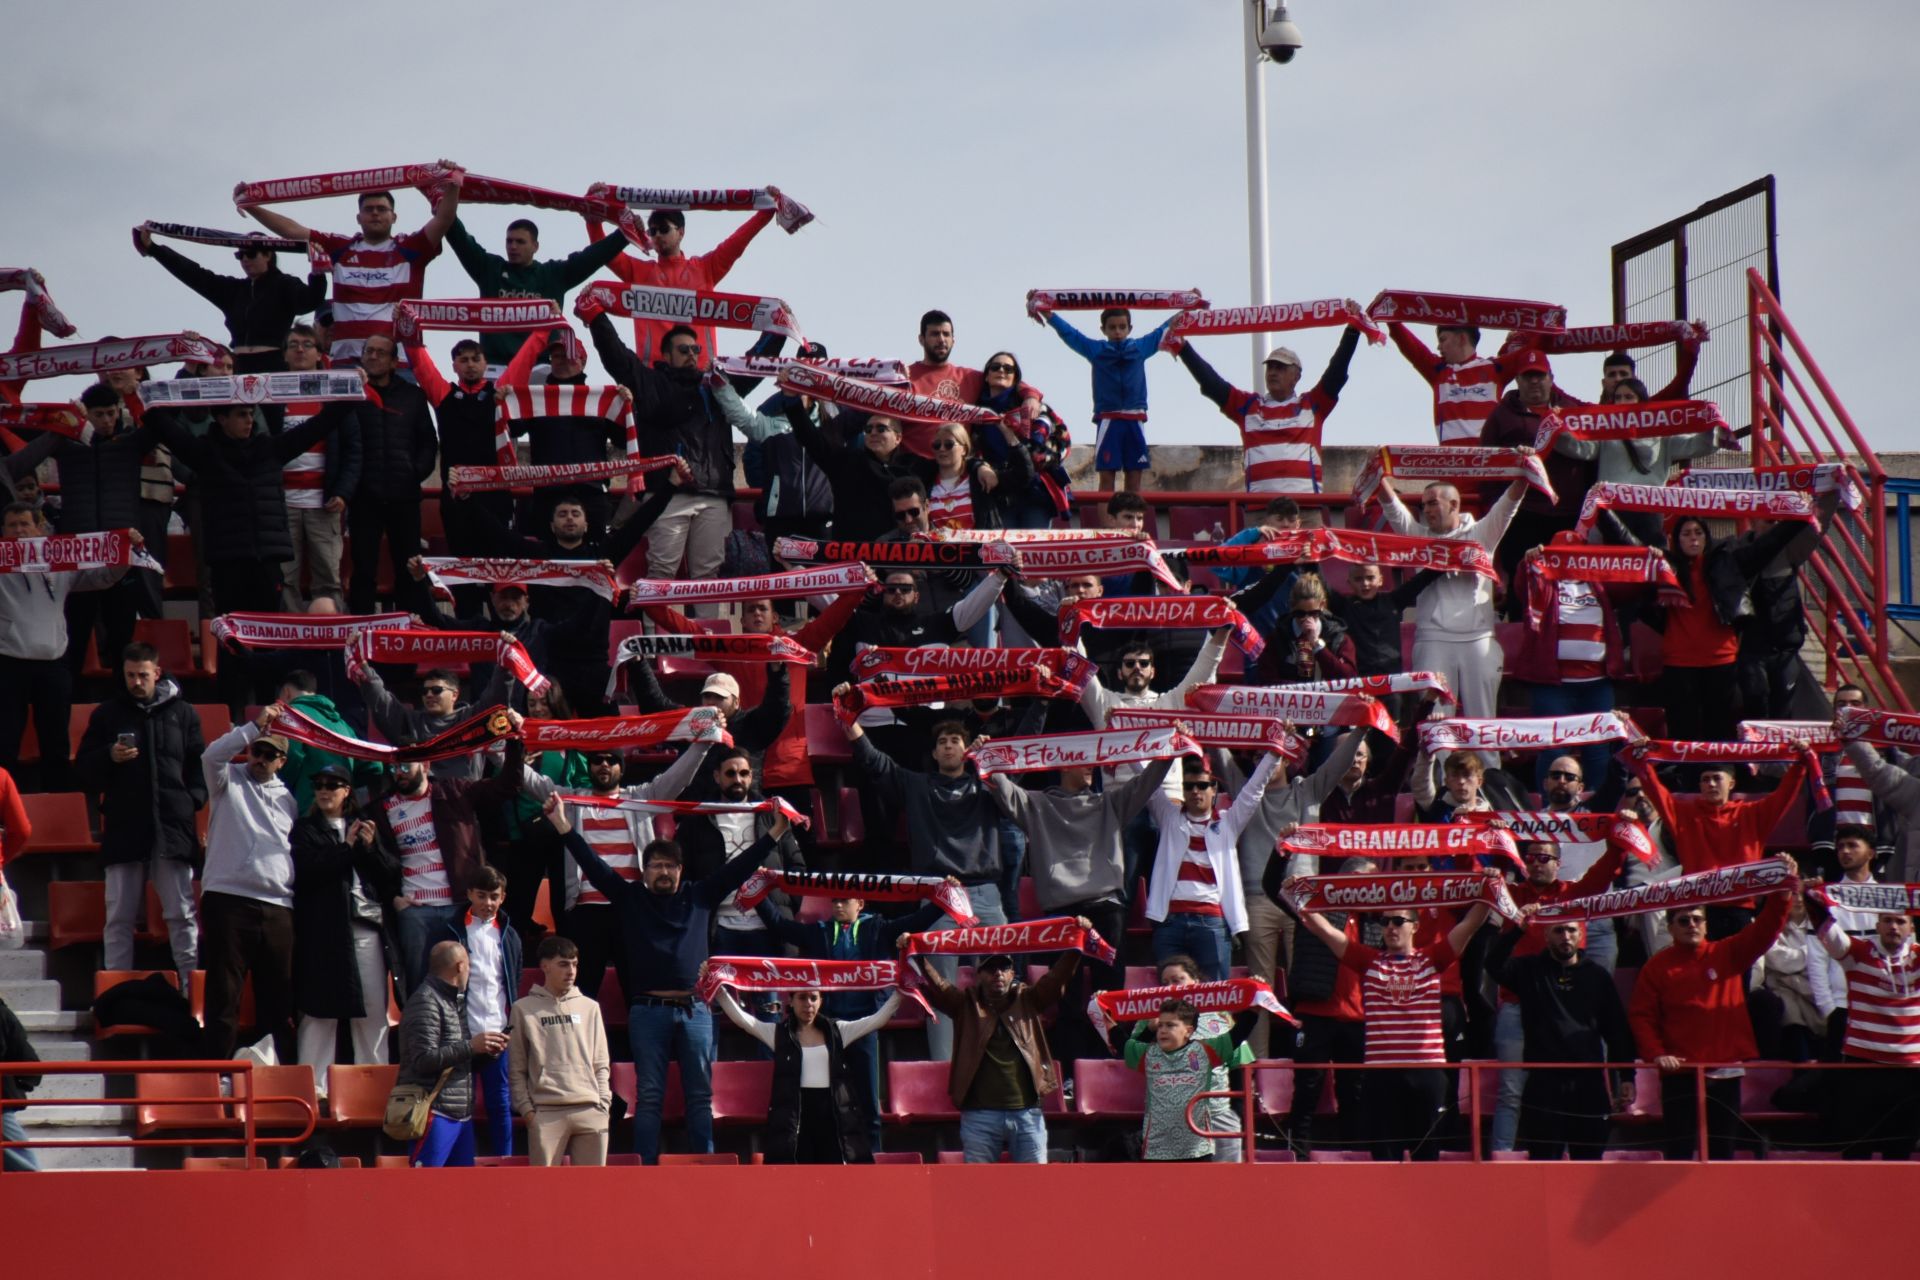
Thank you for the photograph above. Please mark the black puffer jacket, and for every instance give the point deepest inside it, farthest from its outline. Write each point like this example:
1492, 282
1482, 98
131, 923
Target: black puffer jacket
861, 509
673, 413
435, 1036
397, 445
243, 502
147, 804
100, 482
1732, 565
258, 310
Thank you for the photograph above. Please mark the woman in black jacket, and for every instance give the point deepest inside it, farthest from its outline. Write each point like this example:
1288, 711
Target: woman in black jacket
859, 474
258, 306
811, 1118
343, 878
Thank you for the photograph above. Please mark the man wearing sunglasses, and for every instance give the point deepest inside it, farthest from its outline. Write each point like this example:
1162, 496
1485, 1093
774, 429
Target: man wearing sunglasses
1195, 898
259, 306
672, 268
246, 899
440, 709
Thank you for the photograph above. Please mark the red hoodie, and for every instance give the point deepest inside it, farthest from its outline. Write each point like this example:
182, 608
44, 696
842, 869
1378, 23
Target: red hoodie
1691, 1002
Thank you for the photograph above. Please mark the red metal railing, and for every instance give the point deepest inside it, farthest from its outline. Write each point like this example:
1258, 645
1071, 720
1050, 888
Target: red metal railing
242, 1097
1247, 1095
1798, 419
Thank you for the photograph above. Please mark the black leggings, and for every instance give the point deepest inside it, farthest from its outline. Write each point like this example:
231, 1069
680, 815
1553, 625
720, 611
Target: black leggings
1405, 1108
819, 1141
1324, 1039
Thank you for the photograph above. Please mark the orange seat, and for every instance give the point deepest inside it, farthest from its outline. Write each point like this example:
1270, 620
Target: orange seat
741, 1091
700, 1157
390, 1162
60, 823
207, 1110
214, 721
357, 1095
277, 1082
917, 1092
173, 639
213, 1164
346, 1162
543, 908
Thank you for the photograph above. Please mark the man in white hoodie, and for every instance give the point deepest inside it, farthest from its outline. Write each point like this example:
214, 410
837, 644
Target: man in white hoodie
1453, 619
558, 1066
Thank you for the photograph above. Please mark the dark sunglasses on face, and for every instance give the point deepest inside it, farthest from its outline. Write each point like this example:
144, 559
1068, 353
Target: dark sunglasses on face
1000, 366
900, 588
907, 513
1561, 775
946, 444
329, 784
256, 253
1128, 664
1399, 920
436, 688
879, 428
1542, 857
686, 349
266, 753
1203, 784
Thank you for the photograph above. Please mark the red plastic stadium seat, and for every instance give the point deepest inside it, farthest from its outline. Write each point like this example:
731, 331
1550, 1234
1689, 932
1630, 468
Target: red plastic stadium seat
173, 638
60, 824
826, 743
1756, 1095
76, 912
214, 720
1029, 900
1406, 645
741, 1091
277, 1082
357, 1094
612, 1001
1273, 1090
181, 570
1104, 1088
917, 1093
208, 1111
1648, 653
626, 1086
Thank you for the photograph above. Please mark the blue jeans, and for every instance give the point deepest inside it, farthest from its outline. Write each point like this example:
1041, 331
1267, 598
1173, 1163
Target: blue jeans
447, 1144
1603, 944
490, 1079
1013, 861
987, 909
23, 1160
1202, 937
985, 1134
419, 928
1585, 698
660, 1031
1509, 1045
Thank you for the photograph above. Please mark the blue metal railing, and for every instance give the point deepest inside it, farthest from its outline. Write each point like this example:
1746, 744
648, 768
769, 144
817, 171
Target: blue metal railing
1900, 602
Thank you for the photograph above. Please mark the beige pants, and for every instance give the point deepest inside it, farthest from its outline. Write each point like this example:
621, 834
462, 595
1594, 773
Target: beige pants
317, 544
1267, 931
580, 1132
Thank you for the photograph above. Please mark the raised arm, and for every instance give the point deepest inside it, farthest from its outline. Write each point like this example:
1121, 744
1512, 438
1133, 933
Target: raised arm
1212, 385
1462, 933
855, 1028
761, 1031
1335, 378
723, 255
1079, 343
279, 223
1418, 354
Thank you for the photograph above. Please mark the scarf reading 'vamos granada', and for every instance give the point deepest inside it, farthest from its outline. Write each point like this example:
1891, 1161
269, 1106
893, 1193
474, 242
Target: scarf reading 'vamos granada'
1231, 995
1216, 729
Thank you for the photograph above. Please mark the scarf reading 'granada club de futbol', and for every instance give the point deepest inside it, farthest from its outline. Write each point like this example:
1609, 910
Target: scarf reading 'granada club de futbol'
1075, 669
760, 973
683, 808
1160, 613
1464, 309
1278, 317
853, 884
1380, 686
299, 630
1230, 995
1399, 892
1736, 883
769, 586
1056, 933
474, 570
1880, 728
1302, 706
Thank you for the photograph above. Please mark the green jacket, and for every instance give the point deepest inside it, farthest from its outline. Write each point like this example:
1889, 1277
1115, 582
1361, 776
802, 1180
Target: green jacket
497, 278
568, 769
304, 761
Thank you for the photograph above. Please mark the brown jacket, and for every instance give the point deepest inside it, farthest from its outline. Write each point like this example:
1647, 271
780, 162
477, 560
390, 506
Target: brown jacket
973, 1025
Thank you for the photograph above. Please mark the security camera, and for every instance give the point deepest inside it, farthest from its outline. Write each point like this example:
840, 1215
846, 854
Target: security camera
1279, 37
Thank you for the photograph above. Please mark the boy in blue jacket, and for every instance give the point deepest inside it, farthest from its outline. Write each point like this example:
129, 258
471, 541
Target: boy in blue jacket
1119, 392
851, 934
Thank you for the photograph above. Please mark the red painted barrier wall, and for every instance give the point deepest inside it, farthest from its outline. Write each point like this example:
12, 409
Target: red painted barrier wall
1111, 1221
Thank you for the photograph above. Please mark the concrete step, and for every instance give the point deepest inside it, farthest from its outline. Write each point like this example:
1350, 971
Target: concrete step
25, 963
30, 994
116, 1117
55, 1020
80, 1123
61, 1047
89, 1159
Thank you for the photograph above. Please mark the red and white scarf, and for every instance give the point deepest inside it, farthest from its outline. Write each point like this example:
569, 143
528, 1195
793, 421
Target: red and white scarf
1545, 826
1672, 500
627, 733
1437, 736
690, 306
1055, 933
1042, 301
1278, 317
416, 646
1402, 840
465, 480
67, 420
1806, 477
1872, 896
788, 212
905, 554
1409, 307
771, 586
328, 386
893, 402
51, 318
1591, 562
73, 552
963, 686
1231, 995
1413, 890
1735, 883
443, 571
1880, 728
709, 646
479, 189
1817, 734
1607, 337
1380, 686
558, 400
352, 182
104, 357
1106, 749
683, 808
477, 732
1160, 613
1209, 729
1629, 421
317, 258
1352, 710
1075, 669
761, 973
770, 367
1353, 546
853, 884
1095, 554
1660, 751
475, 315
300, 630
1450, 463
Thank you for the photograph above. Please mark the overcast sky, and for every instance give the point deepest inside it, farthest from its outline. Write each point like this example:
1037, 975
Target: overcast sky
959, 155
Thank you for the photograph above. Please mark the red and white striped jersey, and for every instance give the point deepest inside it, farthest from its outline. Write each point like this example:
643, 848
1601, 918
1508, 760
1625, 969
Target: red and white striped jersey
609, 835
304, 477
559, 400
1582, 647
1281, 438
1883, 1001
950, 504
369, 280
1401, 996
423, 871
1852, 798
1196, 890
1464, 397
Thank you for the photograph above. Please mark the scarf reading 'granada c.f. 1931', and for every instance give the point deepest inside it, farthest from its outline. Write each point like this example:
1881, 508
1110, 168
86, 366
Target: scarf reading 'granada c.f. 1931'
1277, 317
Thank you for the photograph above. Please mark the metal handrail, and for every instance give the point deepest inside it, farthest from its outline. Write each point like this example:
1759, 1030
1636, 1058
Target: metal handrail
1248, 1098
1901, 603
243, 1095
